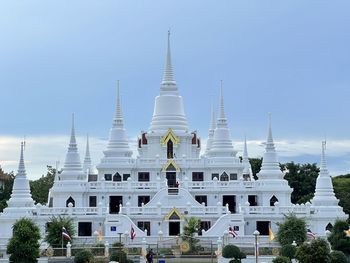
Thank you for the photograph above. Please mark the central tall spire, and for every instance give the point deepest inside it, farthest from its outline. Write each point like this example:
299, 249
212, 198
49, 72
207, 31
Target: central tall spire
168, 75
168, 107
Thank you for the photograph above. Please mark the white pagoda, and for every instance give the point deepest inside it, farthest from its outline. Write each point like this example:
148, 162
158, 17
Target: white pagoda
170, 180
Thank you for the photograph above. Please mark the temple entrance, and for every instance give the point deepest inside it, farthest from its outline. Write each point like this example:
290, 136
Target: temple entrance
231, 201
114, 202
263, 227
171, 177
174, 228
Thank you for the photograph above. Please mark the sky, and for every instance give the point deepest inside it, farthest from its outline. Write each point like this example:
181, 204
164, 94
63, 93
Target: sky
290, 58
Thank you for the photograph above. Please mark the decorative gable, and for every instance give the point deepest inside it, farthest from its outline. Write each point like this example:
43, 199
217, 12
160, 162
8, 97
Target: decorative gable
171, 166
174, 214
169, 135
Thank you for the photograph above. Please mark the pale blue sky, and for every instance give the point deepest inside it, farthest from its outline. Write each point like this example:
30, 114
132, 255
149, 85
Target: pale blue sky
291, 58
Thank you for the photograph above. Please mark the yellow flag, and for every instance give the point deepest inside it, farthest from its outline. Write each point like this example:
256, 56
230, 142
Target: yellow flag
347, 232
271, 235
100, 233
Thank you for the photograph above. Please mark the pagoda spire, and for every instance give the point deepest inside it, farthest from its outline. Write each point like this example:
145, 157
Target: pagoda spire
72, 169
221, 118
212, 127
21, 196
87, 160
270, 168
168, 75
247, 169
168, 84
168, 110
118, 120
324, 193
222, 144
118, 144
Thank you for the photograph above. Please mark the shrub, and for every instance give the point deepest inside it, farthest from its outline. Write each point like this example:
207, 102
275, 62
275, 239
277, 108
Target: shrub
338, 257
281, 259
315, 251
232, 251
24, 244
84, 256
288, 251
118, 256
291, 229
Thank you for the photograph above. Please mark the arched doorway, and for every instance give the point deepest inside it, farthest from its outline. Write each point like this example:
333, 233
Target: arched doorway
70, 200
273, 200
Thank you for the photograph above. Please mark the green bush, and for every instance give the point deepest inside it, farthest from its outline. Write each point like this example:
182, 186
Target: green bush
314, 251
281, 259
338, 257
288, 251
232, 251
118, 256
84, 256
24, 244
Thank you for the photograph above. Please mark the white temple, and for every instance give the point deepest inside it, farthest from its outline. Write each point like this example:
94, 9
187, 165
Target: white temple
169, 180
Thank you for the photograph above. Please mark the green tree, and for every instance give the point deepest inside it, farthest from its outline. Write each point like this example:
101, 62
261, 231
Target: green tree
302, 178
338, 239
342, 191
24, 244
190, 229
338, 257
6, 190
315, 251
54, 231
40, 187
291, 229
255, 163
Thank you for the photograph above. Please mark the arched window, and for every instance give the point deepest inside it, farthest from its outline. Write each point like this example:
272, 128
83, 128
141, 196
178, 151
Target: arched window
329, 227
273, 200
224, 177
117, 177
170, 150
70, 200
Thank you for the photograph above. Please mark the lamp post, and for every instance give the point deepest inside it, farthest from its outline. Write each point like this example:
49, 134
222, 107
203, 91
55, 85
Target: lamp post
295, 245
327, 232
256, 234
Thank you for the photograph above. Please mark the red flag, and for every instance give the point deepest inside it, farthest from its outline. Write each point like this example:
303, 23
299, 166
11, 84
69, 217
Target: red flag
132, 233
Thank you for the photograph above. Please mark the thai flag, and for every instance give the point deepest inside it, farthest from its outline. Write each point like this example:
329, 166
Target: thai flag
132, 233
232, 232
310, 235
65, 234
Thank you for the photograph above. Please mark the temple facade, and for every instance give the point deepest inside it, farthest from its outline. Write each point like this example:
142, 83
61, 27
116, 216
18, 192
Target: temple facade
171, 178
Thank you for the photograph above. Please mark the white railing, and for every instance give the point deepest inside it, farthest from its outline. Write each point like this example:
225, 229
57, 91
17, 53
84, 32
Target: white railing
126, 186
163, 210
295, 209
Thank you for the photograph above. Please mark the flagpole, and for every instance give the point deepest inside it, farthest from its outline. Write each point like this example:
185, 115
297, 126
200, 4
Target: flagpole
62, 241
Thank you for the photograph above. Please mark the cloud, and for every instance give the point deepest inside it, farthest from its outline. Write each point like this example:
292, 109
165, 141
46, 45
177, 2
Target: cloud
46, 150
